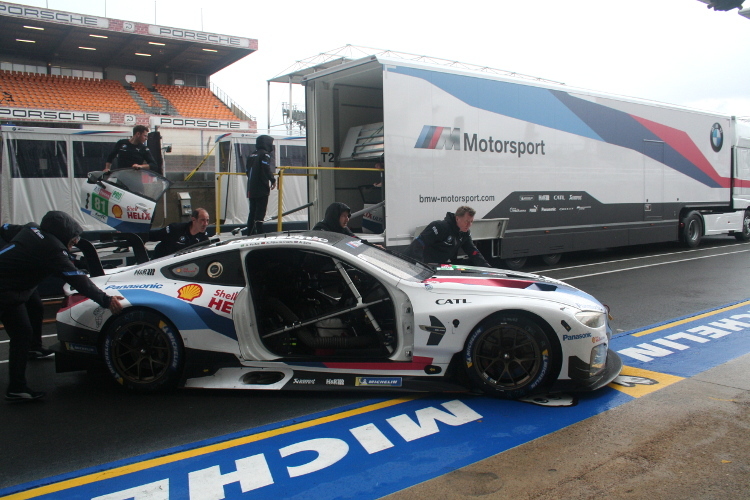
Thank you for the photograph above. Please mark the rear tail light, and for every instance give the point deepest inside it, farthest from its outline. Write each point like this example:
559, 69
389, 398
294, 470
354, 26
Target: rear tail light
72, 300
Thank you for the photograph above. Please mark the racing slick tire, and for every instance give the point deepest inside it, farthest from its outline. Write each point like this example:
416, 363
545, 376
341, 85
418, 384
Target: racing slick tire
744, 235
508, 356
692, 230
144, 352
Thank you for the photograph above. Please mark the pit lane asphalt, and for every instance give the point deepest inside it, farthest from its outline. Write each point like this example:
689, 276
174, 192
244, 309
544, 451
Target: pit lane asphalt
84, 421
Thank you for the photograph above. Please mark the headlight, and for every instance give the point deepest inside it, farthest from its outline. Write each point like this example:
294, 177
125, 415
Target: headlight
592, 319
598, 358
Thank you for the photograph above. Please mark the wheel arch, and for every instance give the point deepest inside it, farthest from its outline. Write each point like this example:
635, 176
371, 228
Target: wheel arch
108, 324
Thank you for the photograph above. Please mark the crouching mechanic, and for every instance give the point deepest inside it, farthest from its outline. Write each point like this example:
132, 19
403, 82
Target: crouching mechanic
180, 235
440, 241
35, 252
336, 219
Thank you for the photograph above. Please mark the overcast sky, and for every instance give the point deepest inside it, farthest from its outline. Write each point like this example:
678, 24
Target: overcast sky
673, 51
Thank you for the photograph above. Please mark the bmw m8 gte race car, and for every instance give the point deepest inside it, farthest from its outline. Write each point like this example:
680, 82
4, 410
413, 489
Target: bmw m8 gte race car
319, 310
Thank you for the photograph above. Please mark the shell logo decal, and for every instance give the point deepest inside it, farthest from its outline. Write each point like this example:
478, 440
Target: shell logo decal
189, 292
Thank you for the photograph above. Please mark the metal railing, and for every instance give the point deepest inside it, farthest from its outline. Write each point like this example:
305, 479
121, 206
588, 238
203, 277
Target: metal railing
280, 187
238, 110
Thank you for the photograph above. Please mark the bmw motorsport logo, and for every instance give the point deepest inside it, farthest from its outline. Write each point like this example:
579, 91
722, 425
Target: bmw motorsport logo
717, 137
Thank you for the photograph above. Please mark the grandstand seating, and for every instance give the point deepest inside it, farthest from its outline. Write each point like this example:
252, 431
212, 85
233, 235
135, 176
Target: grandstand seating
65, 93
28, 90
196, 102
142, 91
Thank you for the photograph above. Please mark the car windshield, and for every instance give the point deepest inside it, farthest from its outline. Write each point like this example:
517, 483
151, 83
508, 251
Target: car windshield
141, 182
391, 264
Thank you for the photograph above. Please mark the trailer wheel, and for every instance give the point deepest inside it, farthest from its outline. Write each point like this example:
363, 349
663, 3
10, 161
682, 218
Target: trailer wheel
692, 229
551, 258
515, 264
744, 235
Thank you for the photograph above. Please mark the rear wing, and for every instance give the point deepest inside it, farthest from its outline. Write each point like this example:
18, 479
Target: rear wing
91, 255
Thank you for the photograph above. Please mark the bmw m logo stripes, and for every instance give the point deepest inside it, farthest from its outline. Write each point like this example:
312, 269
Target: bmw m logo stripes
439, 138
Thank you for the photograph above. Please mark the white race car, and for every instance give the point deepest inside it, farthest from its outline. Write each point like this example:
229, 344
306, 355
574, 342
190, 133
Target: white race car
319, 310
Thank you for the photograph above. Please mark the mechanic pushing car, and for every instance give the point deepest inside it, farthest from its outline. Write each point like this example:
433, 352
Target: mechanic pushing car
35, 252
180, 235
440, 241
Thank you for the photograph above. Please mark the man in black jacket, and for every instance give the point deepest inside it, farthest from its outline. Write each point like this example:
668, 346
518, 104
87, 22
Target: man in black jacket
260, 181
180, 235
440, 241
35, 252
133, 152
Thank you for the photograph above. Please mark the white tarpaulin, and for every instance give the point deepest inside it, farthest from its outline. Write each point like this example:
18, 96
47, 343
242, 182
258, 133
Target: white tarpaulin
45, 169
231, 156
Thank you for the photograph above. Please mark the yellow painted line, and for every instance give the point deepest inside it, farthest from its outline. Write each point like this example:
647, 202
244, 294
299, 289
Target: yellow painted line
658, 381
688, 320
176, 457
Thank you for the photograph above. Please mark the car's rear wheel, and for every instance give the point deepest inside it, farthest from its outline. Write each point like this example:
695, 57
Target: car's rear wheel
509, 356
144, 351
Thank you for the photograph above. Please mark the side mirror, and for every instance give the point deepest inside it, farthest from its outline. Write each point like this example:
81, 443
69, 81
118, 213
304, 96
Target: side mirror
95, 177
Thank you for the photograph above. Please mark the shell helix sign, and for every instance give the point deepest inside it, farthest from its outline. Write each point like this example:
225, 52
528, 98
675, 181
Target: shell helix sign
118, 208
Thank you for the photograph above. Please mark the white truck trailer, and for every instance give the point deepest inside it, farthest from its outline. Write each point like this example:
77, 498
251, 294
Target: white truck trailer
571, 170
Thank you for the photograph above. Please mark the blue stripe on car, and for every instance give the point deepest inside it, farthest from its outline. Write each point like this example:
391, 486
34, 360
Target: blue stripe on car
184, 315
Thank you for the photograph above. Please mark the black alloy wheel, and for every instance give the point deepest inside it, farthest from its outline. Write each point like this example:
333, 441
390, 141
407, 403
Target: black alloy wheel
144, 352
508, 357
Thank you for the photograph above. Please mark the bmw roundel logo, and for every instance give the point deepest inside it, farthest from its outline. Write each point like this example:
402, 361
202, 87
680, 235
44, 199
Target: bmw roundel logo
717, 137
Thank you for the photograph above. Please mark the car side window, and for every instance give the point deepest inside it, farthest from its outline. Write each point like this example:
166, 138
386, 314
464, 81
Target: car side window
219, 269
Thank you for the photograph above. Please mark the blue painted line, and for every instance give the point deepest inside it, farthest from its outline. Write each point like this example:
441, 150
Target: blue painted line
371, 452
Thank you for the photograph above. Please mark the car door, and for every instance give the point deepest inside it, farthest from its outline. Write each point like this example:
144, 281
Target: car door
309, 304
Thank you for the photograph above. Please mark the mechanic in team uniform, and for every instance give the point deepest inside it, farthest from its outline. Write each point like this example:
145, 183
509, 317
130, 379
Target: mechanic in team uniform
34, 306
133, 152
260, 182
440, 241
35, 252
180, 235
336, 219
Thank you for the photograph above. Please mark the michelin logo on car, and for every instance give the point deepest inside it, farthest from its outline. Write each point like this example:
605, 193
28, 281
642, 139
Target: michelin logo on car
378, 381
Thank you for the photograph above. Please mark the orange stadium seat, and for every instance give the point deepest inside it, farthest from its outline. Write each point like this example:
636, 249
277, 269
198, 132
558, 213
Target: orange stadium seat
67, 93
87, 94
197, 102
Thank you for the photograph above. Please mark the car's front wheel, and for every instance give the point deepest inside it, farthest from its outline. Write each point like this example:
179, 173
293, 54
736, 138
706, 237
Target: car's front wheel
143, 351
508, 356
